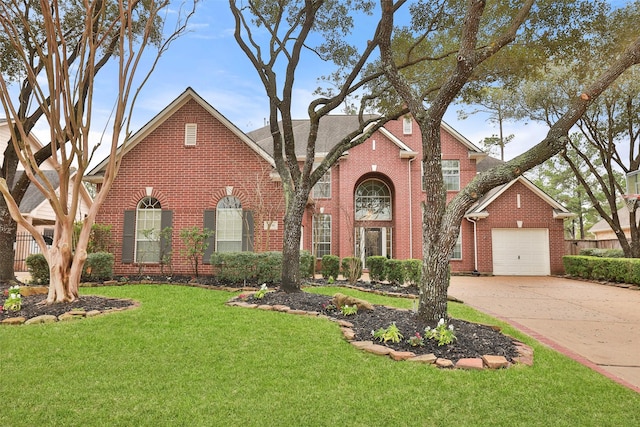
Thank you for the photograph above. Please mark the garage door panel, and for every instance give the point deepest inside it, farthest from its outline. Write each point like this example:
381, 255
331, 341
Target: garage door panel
523, 252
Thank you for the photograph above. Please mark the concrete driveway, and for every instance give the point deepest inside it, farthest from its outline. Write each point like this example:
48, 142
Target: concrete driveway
597, 325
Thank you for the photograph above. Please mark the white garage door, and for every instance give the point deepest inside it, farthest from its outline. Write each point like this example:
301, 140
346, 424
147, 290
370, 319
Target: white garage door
521, 252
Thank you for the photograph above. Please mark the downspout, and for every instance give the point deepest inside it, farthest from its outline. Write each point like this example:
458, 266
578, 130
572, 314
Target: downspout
475, 245
411, 159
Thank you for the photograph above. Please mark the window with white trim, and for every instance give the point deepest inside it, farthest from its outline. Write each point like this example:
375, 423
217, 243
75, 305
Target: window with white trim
321, 235
229, 225
322, 188
373, 201
451, 174
457, 249
407, 126
190, 134
148, 224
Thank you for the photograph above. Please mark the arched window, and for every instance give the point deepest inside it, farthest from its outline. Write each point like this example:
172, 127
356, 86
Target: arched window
148, 227
229, 225
373, 201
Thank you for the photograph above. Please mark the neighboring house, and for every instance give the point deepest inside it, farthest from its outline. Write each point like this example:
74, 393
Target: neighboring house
34, 206
189, 166
604, 234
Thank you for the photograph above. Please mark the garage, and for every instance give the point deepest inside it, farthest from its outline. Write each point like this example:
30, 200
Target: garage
521, 252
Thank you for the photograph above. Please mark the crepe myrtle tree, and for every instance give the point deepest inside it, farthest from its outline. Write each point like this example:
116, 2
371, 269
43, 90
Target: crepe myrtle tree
476, 41
60, 68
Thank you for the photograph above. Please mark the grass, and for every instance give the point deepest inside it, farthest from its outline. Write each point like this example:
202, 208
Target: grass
184, 358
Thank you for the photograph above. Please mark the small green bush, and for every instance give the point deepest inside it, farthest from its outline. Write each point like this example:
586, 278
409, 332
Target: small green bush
330, 266
98, 267
413, 268
38, 269
396, 272
306, 264
351, 269
376, 266
268, 267
603, 253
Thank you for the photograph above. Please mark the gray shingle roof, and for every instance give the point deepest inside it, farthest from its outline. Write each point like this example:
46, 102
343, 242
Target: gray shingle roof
332, 129
33, 197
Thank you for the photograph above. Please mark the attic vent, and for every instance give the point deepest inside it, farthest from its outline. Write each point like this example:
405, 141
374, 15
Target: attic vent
190, 133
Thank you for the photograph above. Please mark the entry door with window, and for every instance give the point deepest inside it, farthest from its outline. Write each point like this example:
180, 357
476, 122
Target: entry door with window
372, 241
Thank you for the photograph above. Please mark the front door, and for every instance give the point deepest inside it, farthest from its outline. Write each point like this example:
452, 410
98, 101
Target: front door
372, 241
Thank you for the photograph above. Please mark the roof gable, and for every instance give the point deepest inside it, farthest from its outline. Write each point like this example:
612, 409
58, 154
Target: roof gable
168, 111
480, 208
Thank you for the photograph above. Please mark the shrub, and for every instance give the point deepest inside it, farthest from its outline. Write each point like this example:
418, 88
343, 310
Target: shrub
38, 269
603, 253
330, 266
376, 266
234, 267
396, 272
351, 269
268, 267
306, 264
626, 270
195, 243
413, 268
98, 267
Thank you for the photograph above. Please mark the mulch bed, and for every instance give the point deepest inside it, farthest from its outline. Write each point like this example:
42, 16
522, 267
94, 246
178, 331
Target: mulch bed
473, 340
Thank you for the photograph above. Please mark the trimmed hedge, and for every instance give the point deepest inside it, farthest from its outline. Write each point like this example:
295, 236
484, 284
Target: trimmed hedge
396, 272
261, 267
623, 270
98, 267
603, 253
330, 266
376, 266
413, 268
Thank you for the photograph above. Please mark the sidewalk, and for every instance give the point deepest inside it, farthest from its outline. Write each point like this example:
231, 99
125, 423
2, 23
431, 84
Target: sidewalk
597, 325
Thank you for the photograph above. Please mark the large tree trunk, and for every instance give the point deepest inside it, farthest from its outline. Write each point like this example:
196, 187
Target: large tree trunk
8, 231
291, 243
65, 265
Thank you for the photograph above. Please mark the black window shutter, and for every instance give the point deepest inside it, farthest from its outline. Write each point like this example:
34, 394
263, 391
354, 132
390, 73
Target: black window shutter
247, 231
210, 223
166, 220
128, 236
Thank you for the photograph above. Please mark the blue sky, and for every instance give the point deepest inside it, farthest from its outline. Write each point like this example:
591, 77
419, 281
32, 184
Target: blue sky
208, 59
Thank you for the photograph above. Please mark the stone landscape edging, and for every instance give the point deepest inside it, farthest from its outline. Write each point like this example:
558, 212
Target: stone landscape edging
492, 362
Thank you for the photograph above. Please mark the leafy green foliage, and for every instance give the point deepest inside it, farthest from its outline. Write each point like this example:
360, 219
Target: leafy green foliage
195, 243
442, 333
349, 310
38, 269
391, 333
622, 270
98, 267
14, 299
396, 272
376, 266
330, 266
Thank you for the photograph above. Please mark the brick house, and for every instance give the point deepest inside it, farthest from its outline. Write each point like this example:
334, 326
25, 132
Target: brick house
189, 166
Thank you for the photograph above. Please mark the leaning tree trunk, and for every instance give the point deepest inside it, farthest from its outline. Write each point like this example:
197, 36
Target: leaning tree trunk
291, 243
8, 232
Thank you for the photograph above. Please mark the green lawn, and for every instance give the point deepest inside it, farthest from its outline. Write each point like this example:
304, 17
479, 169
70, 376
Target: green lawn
184, 358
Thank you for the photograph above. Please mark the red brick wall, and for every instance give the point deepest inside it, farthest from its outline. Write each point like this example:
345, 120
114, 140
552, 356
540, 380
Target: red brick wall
534, 212
188, 180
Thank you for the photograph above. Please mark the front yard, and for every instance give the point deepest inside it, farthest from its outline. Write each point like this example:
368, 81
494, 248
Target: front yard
184, 358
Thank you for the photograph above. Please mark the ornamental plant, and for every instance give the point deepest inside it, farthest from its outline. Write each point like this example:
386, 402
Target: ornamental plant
391, 333
261, 292
349, 310
14, 299
416, 340
441, 333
